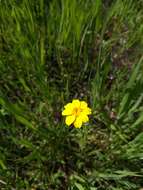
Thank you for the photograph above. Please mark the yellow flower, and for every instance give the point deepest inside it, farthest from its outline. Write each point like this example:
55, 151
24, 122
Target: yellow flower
76, 113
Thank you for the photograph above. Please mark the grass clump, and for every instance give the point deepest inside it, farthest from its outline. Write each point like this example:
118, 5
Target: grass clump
55, 51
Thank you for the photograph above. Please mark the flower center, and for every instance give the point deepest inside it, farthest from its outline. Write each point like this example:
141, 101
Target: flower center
76, 111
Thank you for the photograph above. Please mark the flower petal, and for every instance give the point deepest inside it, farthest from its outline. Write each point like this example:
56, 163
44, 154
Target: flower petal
83, 104
67, 112
84, 118
78, 122
87, 111
68, 106
70, 119
76, 103
68, 109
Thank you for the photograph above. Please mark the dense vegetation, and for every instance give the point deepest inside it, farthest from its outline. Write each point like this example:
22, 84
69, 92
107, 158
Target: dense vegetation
50, 53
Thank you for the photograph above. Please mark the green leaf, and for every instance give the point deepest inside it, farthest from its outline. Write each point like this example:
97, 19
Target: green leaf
138, 121
122, 105
79, 186
24, 84
24, 122
134, 73
2, 165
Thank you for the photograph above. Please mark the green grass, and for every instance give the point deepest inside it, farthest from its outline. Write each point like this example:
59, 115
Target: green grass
50, 53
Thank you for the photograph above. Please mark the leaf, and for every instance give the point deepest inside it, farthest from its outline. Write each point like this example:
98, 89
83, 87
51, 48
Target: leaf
93, 188
24, 121
24, 84
2, 165
79, 186
135, 106
125, 100
2, 102
116, 175
1, 181
26, 143
78, 178
13, 108
134, 73
138, 138
138, 121
123, 104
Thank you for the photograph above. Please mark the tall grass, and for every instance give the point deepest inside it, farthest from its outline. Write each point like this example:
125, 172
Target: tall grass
50, 53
